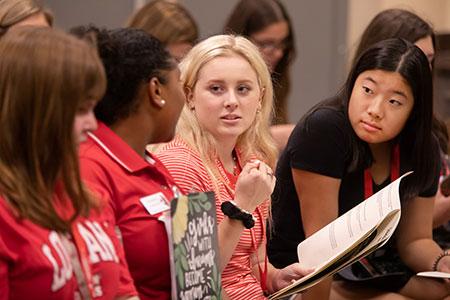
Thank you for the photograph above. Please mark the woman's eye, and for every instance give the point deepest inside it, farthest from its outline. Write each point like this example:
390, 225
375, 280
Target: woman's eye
367, 90
243, 89
395, 102
216, 89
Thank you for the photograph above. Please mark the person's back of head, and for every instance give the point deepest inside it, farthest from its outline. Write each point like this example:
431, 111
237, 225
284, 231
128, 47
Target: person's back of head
15, 12
168, 21
45, 76
131, 57
393, 23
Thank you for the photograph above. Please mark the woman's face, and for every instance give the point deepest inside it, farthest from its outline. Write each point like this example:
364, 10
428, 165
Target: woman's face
84, 120
172, 93
426, 45
380, 105
271, 41
226, 97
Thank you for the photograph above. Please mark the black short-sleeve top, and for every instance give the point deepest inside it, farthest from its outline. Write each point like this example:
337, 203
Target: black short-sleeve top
321, 145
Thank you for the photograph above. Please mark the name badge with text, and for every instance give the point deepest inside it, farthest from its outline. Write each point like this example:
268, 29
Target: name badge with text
155, 203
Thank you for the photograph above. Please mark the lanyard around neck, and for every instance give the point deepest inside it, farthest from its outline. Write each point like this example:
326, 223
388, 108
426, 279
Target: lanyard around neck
262, 273
395, 172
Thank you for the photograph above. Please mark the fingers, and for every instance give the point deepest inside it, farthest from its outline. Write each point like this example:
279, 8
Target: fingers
258, 167
297, 271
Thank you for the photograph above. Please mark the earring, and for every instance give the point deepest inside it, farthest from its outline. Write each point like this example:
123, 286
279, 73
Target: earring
163, 102
258, 110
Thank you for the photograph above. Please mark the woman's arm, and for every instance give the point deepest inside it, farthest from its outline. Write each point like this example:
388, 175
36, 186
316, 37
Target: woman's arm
318, 196
414, 235
280, 134
254, 185
441, 212
276, 278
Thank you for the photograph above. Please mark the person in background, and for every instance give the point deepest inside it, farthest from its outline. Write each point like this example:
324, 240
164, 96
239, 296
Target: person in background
141, 106
23, 12
351, 146
54, 242
400, 23
223, 145
170, 23
267, 24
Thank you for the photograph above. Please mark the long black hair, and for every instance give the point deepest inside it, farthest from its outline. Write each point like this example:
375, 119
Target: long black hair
400, 56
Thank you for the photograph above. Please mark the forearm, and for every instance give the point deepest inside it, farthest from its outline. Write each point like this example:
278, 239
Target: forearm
272, 274
419, 255
441, 211
229, 232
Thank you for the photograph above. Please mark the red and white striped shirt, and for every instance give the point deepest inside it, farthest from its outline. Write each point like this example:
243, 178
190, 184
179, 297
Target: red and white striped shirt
190, 174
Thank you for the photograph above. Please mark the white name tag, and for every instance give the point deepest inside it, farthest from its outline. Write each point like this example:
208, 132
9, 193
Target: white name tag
155, 203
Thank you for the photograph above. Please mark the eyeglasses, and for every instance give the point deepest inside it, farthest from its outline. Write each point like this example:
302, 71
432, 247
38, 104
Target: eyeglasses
270, 45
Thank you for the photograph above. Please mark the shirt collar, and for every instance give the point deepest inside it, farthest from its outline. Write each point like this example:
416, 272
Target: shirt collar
120, 151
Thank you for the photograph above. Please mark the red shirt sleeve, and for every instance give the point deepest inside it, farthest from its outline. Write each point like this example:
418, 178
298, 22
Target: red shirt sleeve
97, 180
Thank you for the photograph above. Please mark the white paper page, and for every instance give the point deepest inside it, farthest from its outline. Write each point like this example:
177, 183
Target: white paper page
434, 274
339, 235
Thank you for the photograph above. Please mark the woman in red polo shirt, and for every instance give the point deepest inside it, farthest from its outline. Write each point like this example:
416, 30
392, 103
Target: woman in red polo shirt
53, 243
141, 106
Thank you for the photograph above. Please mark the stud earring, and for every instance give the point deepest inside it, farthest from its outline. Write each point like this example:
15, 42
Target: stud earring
163, 102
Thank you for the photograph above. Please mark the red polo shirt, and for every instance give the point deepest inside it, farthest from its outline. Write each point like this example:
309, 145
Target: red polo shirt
35, 262
123, 178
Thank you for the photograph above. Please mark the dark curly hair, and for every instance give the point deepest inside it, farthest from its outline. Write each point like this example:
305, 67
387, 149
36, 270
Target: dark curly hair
131, 57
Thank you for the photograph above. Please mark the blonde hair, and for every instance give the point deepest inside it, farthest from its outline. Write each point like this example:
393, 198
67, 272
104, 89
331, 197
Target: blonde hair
45, 75
14, 11
256, 141
169, 22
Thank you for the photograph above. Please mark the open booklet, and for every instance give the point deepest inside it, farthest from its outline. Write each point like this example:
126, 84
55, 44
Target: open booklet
352, 236
434, 274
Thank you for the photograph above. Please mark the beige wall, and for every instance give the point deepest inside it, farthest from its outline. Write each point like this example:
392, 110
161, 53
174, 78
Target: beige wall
360, 12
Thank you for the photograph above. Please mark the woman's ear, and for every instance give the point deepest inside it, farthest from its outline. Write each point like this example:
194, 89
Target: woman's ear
261, 98
189, 97
154, 92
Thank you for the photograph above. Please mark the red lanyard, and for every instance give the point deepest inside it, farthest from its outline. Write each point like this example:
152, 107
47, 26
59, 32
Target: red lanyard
232, 178
395, 172
262, 273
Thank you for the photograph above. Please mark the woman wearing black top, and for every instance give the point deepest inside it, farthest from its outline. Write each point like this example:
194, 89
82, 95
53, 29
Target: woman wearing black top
376, 128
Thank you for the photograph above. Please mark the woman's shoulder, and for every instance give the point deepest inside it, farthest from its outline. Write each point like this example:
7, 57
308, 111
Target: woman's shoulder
178, 154
326, 116
177, 149
323, 122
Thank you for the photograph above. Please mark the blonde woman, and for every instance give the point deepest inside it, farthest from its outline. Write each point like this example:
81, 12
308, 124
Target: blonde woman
15, 13
170, 23
223, 144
